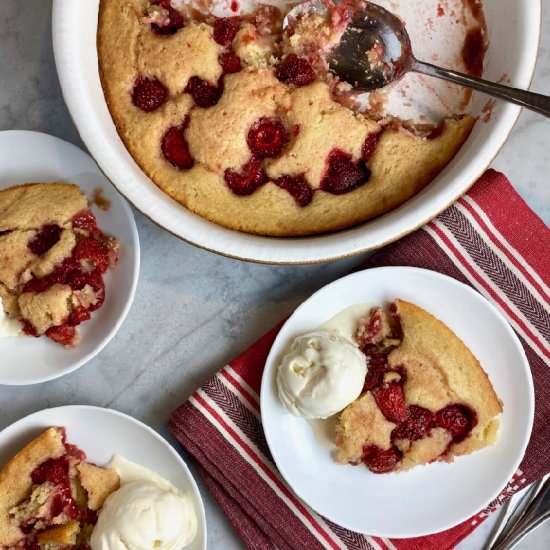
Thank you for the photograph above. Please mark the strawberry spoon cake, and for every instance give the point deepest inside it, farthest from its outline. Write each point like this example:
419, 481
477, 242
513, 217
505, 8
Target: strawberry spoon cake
231, 119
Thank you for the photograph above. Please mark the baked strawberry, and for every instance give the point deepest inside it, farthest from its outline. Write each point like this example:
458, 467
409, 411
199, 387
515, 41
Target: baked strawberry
93, 251
173, 21
415, 426
230, 62
457, 419
298, 187
247, 180
78, 316
371, 328
55, 470
342, 174
295, 70
175, 148
63, 334
85, 220
391, 401
203, 93
46, 237
149, 94
225, 30
379, 461
375, 371
267, 138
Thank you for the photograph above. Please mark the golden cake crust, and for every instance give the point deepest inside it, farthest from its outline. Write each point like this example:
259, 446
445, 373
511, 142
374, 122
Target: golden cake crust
98, 482
401, 166
32, 205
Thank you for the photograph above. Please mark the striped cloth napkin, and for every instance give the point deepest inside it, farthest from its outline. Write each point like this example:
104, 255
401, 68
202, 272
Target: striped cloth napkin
489, 240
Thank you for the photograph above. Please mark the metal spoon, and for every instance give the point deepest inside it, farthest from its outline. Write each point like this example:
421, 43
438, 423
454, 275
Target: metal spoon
373, 28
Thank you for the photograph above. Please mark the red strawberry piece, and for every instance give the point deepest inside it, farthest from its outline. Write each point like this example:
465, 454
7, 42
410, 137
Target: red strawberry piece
63, 503
247, 180
343, 174
175, 19
27, 526
85, 220
225, 30
35, 285
457, 419
230, 62
295, 70
28, 328
55, 470
175, 148
391, 401
77, 279
149, 94
203, 93
298, 187
267, 138
397, 327
74, 451
416, 426
63, 334
369, 145
77, 316
46, 237
370, 329
93, 251
375, 372
95, 280
379, 461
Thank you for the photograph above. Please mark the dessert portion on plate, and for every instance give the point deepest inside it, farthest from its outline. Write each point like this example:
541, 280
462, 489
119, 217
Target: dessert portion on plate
53, 258
52, 499
49, 495
425, 397
230, 118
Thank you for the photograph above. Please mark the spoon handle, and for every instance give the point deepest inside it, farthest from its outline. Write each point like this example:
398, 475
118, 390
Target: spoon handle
536, 102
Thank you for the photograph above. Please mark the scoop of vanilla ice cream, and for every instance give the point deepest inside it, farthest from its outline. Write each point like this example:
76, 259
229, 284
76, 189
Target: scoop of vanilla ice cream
146, 513
321, 375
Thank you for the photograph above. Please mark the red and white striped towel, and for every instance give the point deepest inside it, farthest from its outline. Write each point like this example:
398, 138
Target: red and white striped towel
490, 240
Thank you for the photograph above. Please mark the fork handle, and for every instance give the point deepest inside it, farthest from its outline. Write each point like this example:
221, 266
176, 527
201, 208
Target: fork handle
520, 534
535, 102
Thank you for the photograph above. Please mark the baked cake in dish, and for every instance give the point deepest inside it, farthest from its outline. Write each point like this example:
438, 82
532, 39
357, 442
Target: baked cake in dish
49, 495
426, 397
52, 259
229, 118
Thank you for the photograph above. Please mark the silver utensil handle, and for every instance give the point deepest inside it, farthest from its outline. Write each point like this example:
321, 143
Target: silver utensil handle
536, 102
520, 534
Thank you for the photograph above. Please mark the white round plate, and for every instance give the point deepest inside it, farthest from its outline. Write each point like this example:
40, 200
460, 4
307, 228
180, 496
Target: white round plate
101, 433
34, 157
427, 499
511, 55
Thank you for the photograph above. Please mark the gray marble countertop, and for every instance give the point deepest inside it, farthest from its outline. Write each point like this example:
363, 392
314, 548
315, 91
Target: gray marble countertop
213, 307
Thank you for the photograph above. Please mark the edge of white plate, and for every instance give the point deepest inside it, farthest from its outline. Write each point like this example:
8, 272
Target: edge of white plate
133, 283
110, 154
268, 372
147, 428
